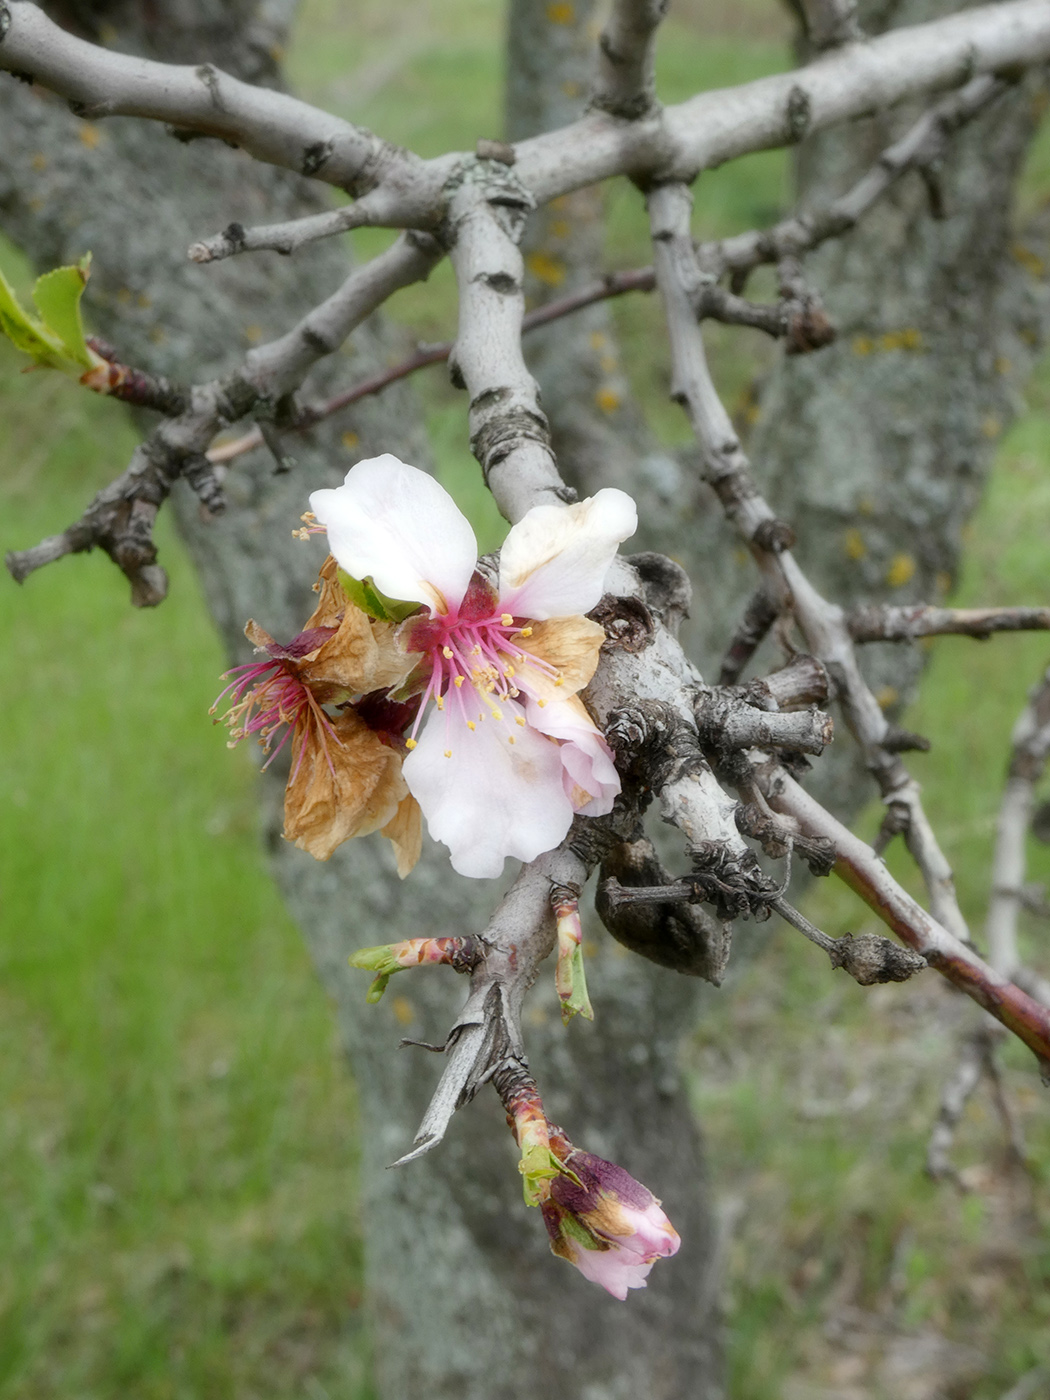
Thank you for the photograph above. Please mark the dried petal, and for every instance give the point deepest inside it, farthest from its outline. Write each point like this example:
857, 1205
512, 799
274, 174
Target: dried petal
345, 782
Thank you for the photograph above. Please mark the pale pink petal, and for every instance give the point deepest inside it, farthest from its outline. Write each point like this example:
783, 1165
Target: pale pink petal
492, 798
652, 1234
554, 561
397, 525
615, 1269
587, 760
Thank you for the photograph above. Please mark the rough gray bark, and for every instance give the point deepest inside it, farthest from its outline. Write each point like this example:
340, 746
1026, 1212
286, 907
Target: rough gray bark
465, 1298
877, 448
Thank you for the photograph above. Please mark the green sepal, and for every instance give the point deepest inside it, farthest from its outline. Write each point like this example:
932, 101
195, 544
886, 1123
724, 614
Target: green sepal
368, 598
538, 1163
55, 338
378, 987
572, 1226
577, 1003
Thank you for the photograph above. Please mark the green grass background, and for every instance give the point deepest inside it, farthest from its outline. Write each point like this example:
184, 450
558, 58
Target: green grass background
177, 1150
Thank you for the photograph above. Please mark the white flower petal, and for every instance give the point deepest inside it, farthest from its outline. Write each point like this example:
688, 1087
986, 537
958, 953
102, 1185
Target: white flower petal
396, 524
490, 799
587, 760
554, 561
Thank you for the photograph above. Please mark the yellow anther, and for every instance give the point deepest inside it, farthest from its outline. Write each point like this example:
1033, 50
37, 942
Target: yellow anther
446, 652
497, 714
458, 682
520, 720
475, 651
448, 753
508, 671
510, 738
410, 743
525, 632
560, 680
308, 516
471, 725
515, 692
440, 702
506, 619
541, 703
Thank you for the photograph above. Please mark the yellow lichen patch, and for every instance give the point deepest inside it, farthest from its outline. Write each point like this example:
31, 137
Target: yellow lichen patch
570, 88
107, 34
350, 438
885, 696
404, 1011
158, 334
143, 301
862, 345
124, 296
560, 228
740, 555
907, 339
1002, 365
853, 545
560, 12
39, 161
608, 363
943, 582
866, 506
560, 202
607, 399
991, 427
598, 340
1030, 261
89, 135
35, 203
253, 334
902, 568
546, 269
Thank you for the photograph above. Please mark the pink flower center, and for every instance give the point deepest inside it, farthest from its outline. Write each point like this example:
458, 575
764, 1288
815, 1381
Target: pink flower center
475, 660
265, 697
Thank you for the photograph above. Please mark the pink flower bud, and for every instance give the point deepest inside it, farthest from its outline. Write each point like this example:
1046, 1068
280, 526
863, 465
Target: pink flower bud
607, 1224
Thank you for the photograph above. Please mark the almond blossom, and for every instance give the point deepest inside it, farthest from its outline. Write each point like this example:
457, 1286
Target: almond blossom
601, 1220
502, 753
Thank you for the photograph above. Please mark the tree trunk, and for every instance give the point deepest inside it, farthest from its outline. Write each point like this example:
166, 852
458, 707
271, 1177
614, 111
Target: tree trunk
466, 1299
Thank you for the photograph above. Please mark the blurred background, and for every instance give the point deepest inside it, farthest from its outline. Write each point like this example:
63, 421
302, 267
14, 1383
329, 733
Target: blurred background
177, 1133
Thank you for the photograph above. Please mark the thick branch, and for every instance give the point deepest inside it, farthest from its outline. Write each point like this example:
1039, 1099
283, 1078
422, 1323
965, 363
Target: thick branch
831, 22
267, 124
509, 434
626, 81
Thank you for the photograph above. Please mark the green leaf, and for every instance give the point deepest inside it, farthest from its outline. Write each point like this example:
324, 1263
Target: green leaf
24, 331
55, 338
57, 295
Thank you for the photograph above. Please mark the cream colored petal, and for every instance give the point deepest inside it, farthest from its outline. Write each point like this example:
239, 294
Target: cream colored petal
349, 785
405, 833
554, 561
571, 645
